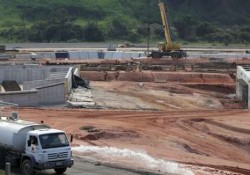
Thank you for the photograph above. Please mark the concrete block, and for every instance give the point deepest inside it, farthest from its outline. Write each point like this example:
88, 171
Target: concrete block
51, 55
142, 54
117, 55
108, 55
126, 55
84, 55
135, 55
93, 55
74, 55
46, 55
22, 56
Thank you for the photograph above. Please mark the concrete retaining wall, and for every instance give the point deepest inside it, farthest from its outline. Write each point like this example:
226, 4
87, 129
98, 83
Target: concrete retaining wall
21, 75
41, 85
243, 84
28, 74
68, 81
28, 85
22, 98
77, 72
51, 94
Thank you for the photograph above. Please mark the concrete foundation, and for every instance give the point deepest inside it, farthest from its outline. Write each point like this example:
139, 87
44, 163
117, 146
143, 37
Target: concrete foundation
22, 98
242, 86
51, 94
41, 84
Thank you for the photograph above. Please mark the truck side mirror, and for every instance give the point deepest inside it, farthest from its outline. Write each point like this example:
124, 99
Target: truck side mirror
29, 143
71, 138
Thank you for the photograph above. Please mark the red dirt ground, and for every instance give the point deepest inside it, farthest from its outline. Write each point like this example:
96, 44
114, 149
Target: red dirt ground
218, 139
205, 140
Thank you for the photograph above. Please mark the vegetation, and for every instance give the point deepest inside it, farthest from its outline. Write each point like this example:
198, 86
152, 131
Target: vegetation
223, 21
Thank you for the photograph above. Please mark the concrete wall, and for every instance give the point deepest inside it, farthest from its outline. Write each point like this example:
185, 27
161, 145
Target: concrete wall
28, 85
22, 98
77, 72
51, 94
29, 74
243, 81
41, 85
68, 81
21, 75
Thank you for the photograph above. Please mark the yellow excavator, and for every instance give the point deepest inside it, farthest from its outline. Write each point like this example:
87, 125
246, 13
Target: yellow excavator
167, 48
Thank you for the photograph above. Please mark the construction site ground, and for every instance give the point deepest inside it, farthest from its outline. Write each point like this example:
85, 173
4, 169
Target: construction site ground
199, 125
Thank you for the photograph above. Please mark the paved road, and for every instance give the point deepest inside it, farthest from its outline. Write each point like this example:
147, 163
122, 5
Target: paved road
86, 168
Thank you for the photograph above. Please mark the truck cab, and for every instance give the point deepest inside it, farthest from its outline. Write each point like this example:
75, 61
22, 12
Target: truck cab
46, 149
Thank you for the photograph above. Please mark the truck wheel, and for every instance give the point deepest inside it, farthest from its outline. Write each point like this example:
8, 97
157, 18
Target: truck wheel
2, 158
60, 170
175, 55
156, 55
27, 168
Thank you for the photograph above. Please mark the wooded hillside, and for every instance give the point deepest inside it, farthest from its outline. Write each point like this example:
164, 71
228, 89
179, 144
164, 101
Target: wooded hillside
225, 21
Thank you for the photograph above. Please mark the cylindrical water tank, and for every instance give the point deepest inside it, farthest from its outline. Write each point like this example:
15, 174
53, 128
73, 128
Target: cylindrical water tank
13, 133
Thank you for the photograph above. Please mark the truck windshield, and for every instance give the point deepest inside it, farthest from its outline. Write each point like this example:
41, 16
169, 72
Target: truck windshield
53, 140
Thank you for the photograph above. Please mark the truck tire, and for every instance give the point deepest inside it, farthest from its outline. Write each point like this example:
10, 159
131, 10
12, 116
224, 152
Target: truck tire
2, 158
175, 55
27, 168
60, 170
156, 55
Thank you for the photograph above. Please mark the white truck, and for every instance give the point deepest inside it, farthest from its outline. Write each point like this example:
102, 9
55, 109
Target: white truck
33, 146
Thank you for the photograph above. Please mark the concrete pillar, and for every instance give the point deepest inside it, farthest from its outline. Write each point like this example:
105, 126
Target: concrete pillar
242, 90
239, 90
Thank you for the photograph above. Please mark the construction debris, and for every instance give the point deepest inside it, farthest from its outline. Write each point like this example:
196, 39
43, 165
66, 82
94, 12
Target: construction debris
80, 98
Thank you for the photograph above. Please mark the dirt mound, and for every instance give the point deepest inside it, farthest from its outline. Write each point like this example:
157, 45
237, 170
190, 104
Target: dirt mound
106, 134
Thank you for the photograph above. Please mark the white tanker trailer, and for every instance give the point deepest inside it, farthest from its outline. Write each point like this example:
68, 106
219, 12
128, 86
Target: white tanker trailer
33, 146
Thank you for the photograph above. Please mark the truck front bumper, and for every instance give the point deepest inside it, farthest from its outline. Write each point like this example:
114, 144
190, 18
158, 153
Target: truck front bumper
55, 164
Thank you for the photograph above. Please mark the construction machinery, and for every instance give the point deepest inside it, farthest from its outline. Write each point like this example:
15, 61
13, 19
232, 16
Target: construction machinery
167, 48
30, 145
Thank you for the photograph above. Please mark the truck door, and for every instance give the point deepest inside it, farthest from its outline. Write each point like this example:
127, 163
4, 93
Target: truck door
33, 146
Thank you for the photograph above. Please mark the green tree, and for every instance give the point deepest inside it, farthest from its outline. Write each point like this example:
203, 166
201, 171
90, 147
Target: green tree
244, 37
205, 29
118, 29
93, 33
